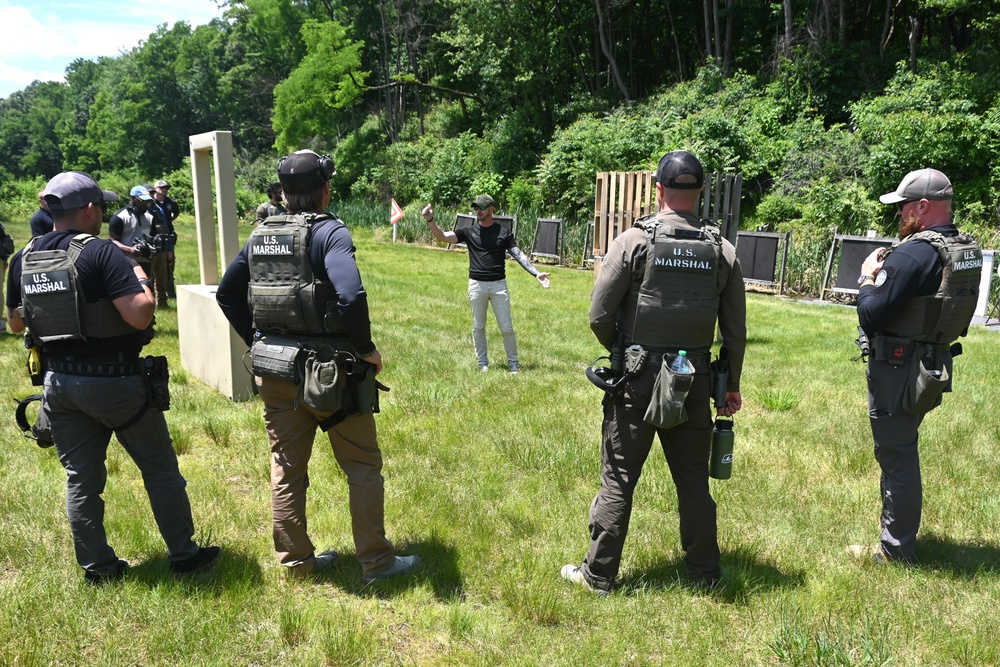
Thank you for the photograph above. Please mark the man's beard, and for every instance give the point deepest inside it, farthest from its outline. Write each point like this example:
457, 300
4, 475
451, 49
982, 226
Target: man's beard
908, 224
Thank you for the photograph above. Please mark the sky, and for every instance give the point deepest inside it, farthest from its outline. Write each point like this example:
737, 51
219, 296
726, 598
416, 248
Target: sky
42, 37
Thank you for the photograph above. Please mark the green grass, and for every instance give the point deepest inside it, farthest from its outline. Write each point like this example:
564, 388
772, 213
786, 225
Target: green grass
489, 478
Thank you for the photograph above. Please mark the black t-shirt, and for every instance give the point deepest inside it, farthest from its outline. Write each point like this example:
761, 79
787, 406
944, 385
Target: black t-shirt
103, 272
172, 210
41, 222
488, 247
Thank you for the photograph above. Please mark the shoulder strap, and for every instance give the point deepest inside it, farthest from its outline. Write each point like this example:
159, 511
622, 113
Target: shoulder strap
77, 244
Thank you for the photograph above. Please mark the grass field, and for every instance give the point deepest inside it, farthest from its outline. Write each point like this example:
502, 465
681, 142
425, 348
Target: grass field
489, 478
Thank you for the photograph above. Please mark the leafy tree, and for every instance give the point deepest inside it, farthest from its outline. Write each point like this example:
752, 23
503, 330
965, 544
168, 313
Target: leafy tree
29, 144
309, 105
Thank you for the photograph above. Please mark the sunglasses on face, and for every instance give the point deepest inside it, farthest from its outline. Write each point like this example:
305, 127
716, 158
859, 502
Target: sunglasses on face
476, 207
900, 205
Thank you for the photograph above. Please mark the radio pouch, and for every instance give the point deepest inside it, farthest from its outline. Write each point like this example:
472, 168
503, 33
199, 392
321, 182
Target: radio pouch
929, 378
276, 357
324, 379
666, 404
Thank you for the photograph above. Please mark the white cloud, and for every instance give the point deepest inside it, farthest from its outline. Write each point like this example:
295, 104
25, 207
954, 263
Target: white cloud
40, 41
18, 78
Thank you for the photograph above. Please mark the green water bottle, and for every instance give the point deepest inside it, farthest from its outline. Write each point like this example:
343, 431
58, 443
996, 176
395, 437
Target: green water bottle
720, 464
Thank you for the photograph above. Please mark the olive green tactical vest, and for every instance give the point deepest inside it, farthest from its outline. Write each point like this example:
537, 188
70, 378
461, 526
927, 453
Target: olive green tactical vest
53, 305
678, 300
285, 295
945, 315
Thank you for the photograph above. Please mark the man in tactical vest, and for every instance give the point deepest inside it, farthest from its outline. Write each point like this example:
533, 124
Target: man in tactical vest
663, 285
914, 302
488, 244
133, 229
91, 307
306, 320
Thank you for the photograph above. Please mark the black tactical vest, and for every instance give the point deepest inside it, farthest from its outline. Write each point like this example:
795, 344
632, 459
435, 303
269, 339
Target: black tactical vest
53, 305
678, 300
945, 315
286, 297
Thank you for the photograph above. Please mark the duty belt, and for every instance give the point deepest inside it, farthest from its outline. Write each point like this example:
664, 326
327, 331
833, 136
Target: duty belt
700, 360
896, 349
94, 369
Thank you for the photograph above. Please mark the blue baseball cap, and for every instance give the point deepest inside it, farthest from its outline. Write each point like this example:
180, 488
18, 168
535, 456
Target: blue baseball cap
140, 192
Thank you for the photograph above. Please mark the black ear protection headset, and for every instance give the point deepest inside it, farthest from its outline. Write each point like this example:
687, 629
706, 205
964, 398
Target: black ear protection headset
326, 168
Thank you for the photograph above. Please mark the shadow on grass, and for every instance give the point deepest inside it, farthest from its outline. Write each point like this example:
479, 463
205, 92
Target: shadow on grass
743, 576
965, 560
438, 568
232, 568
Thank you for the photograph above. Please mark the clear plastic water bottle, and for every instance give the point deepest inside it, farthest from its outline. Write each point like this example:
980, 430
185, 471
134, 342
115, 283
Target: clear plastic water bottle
682, 375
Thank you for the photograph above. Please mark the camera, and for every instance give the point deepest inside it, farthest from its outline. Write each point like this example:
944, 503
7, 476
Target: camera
147, 246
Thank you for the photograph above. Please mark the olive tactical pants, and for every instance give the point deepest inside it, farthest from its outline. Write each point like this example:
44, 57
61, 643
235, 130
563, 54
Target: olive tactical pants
626, 442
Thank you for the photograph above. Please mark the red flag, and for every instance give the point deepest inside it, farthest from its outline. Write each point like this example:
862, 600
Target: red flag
397, 213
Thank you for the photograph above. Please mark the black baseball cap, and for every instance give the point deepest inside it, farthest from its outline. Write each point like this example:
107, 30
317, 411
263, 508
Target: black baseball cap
681, 171
74, 189
301, 172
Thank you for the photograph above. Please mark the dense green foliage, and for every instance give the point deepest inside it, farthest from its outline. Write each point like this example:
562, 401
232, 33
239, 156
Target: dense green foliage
821, 106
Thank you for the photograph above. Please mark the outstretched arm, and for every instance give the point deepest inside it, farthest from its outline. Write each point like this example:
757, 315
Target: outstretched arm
523, 260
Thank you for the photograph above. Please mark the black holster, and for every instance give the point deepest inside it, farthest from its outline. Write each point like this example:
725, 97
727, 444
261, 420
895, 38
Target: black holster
156, 377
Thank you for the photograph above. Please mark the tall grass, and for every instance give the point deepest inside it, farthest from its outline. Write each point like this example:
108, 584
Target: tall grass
489, 478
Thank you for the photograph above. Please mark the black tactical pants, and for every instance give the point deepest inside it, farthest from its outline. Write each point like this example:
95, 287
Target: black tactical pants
895, 433
626, 442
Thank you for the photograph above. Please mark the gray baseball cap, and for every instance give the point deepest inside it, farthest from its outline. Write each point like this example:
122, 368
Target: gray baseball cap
74, 189
920, 184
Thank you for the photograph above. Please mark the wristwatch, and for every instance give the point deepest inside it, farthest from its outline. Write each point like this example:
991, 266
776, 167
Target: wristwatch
146, 282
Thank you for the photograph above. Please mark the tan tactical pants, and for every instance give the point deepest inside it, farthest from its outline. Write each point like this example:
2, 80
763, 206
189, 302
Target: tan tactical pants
291, 429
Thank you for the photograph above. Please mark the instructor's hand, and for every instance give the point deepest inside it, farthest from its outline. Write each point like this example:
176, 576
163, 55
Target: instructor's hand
428, 213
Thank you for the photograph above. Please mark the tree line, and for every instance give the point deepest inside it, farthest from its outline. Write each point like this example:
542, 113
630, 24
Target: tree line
821, 104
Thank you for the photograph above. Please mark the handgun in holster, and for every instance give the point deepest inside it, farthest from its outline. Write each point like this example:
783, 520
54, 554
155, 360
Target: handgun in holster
718, 377
863, 344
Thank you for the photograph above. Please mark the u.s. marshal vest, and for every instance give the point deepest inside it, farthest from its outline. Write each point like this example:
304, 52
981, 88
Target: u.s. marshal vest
286, 297
942, 317
678, 300
53, 304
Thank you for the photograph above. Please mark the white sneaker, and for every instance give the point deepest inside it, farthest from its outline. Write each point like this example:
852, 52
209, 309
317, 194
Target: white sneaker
484, 368
402, 565
574, 574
